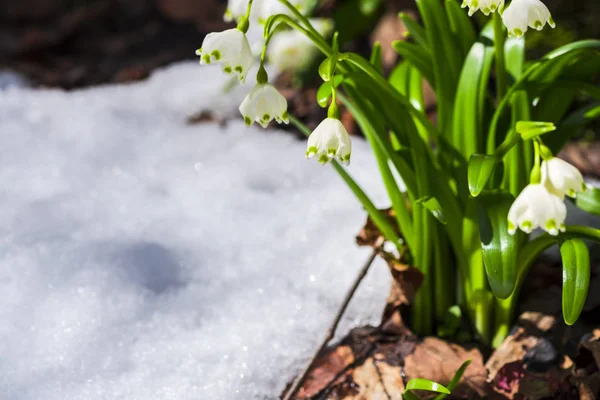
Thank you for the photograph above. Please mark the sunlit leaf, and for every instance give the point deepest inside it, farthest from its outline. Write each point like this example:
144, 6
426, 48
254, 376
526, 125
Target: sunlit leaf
433, 206
426, 384
481, 167
498, 246
576, 278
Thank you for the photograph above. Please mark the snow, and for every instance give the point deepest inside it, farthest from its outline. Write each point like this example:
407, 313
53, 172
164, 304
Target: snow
143, 258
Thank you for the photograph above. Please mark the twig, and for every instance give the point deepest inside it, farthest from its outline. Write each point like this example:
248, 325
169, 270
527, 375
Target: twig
331, 331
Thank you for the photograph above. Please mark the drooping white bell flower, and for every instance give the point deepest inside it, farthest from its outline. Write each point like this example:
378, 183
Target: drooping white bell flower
263, 104
562, 178
486, 6
521, 14
229, 48
330, 139
291, 50
537, 207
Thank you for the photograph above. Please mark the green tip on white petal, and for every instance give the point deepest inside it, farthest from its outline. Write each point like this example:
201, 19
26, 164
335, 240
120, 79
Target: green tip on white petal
551, 227
527, 226
512, 229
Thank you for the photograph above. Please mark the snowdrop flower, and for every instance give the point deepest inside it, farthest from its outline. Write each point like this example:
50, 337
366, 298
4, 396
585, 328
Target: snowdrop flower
263, 104
291, 50
229, 48
523, 13
562, 178
330, 139
486, 6
537, 207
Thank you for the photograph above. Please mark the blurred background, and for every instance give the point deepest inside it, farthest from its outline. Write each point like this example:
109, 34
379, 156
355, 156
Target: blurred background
76, 43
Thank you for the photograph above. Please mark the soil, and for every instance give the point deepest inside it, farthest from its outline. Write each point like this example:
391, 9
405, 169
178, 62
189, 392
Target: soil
542, 358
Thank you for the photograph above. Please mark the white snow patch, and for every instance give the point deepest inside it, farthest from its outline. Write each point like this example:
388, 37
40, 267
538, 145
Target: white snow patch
141, 258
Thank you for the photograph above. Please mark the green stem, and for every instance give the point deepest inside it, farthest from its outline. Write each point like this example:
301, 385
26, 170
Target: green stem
380, 220
499, 40
380, 81
402, 213
527, 256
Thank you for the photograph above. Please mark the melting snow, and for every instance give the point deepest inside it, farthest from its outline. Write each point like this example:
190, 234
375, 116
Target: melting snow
142, 258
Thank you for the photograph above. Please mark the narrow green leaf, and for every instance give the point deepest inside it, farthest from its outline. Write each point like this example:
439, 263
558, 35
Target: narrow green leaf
451, 321
410, 396
582, 44
576, 278
446, 61
455, 379
426, 384
481, 167
589, 201
415, 30
498, 246
467, 126
532, 129
376, 57
433, 206
417, 56
461, 25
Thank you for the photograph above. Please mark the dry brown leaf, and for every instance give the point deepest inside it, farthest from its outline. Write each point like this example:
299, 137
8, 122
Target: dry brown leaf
329, 369
377, 380
438, 360
513, 349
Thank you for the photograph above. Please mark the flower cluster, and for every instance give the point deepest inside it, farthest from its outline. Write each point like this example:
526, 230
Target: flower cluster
293, 51
517, 17
542, 204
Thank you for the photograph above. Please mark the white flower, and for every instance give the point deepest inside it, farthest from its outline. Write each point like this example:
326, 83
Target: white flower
229, 48
266, 8
562, 178
263, 104
330, 139
261, 9
537, 207
291, 50
486, 6
523, 13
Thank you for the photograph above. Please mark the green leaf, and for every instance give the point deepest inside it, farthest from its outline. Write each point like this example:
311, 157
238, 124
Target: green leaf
426, 384
324, 91
461, 25
498, 246
451, 321
470, 100
376, 59
481, 167
433, 206
455, 379
446, 61
532, 129
417, 56
415, 31
576, 278
589, 201
410, 396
